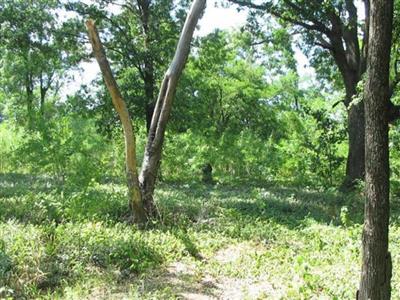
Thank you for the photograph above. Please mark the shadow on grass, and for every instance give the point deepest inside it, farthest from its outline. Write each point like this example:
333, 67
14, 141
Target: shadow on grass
190, 246
286, 206
16, 184
291, 207
58, 256
179, 281
247, 212
39, 200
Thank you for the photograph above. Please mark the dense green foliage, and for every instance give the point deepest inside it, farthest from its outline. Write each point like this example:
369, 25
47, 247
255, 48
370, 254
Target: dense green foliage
230, 112
271, 224
36, 51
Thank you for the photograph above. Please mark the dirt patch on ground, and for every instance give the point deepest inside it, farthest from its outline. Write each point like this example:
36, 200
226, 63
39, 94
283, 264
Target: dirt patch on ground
191, 284
246, 288
185, 280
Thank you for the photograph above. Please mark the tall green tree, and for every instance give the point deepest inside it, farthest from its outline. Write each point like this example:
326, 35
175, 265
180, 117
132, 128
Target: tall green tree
37, 49
226, 91
331, 29
140, 36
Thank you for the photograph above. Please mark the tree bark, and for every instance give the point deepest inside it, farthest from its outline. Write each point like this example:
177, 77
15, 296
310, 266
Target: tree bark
149, 107
207, 177
149, 88
376, 263
149, 82
43, 91
153, 150
350, 62
135, 196
29, 100
148, 62
355, 165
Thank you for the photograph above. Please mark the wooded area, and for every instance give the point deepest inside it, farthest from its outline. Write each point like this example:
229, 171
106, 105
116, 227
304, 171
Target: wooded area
269, 151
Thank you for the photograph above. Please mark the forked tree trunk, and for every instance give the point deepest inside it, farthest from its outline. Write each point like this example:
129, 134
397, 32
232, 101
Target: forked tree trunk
141, 189
135, 197
153, 150
376, 261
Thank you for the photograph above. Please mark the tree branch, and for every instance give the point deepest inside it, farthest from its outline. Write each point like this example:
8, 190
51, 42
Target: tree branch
135, 197
315, 25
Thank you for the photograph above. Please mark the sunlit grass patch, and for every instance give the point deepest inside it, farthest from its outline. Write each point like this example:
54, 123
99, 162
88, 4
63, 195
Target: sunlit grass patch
212, 241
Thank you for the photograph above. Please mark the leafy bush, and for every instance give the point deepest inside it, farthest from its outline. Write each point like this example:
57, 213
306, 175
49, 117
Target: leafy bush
68, 148
311, 154
10, 139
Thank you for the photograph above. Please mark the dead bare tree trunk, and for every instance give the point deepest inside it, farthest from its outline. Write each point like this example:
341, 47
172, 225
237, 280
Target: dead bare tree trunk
376, 263
135, 196
153, 150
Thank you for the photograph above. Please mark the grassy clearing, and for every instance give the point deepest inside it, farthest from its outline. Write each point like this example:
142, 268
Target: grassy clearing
223, 242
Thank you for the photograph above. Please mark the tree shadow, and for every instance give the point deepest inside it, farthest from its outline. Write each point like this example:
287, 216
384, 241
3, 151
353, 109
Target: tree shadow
291, 207
183, 280
190, 246
66, 256
17, 184
232, 209
39, 200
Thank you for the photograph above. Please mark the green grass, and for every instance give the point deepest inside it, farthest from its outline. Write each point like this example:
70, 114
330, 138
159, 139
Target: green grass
243, 241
